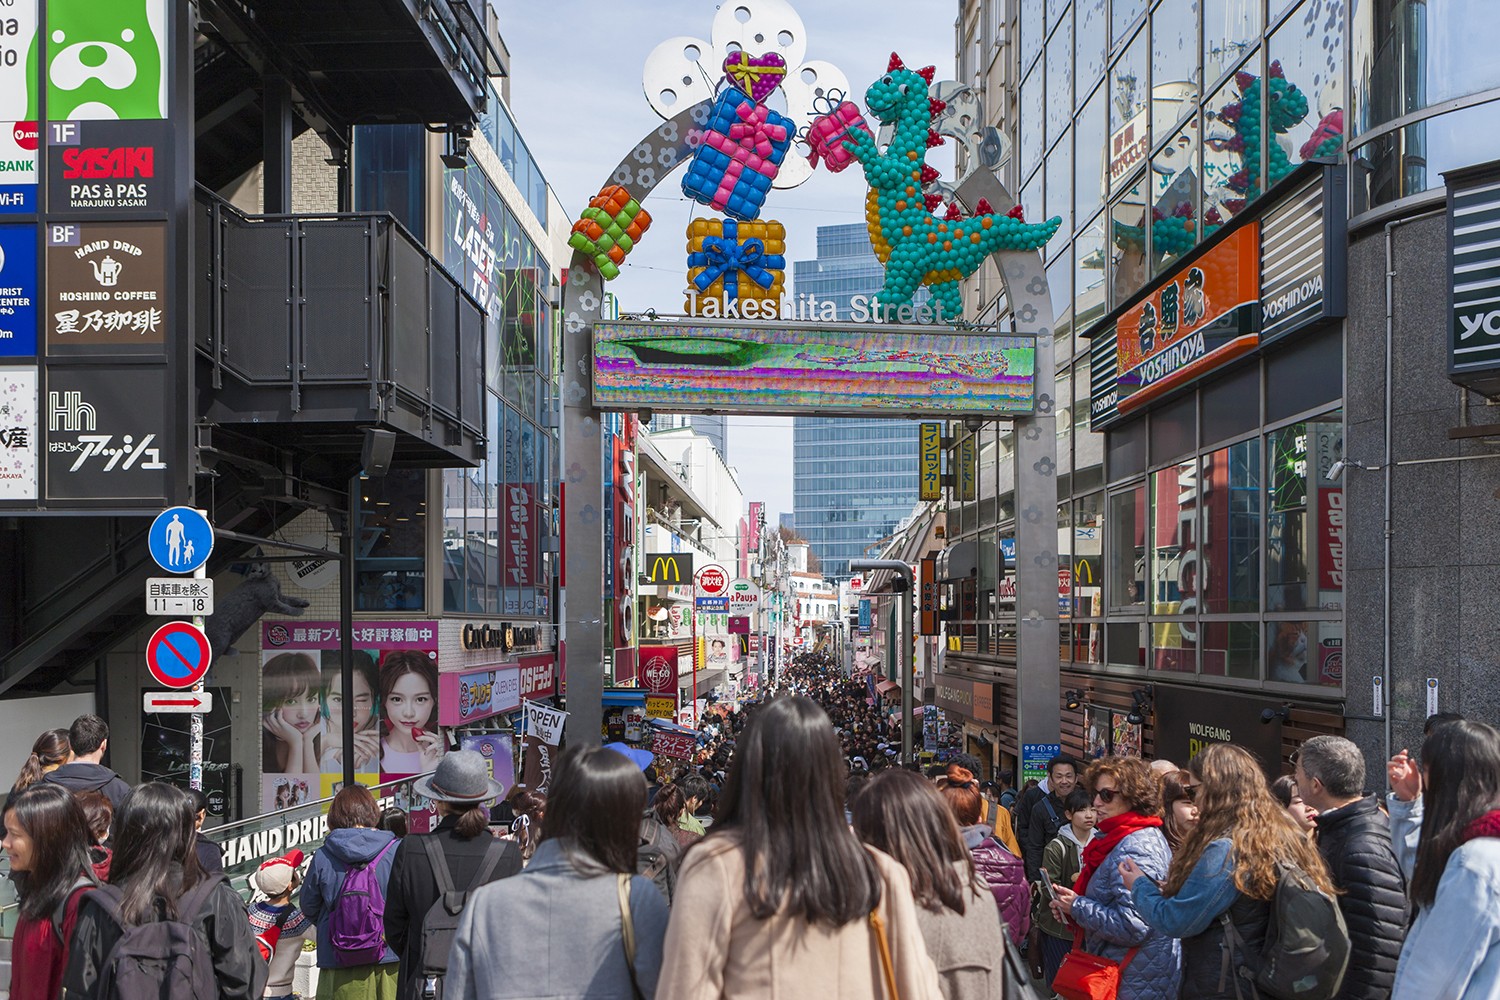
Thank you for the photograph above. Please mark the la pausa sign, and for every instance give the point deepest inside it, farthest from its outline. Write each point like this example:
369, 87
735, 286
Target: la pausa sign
808, 308
1207, 315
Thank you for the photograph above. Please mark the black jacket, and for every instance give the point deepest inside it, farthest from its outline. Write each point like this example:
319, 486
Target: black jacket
210, 856
1205, 973
81, 776
1355, 841
240, 971
1024, 804
1041, 827
413, 889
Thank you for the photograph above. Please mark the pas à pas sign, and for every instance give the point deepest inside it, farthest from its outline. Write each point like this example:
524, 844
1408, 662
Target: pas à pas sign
810, 308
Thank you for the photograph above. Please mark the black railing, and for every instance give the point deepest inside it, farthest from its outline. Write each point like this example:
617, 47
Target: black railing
346, 317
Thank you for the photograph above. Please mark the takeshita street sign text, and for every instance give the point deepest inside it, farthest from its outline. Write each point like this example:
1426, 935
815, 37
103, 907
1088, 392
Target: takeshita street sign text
813, 368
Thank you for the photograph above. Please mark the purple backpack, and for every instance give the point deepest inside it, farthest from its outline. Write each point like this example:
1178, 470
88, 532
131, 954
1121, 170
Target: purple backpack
356, 927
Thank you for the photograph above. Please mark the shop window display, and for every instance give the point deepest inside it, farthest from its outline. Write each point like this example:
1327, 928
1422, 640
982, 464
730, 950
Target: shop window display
1126, 537
1305, 652
1229, 564
1305, 555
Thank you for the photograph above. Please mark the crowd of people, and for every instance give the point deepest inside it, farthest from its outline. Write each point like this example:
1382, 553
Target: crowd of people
796, 856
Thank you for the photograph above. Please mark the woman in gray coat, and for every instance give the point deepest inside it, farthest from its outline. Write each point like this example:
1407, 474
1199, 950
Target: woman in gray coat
1127, 798
579, 889
902, 814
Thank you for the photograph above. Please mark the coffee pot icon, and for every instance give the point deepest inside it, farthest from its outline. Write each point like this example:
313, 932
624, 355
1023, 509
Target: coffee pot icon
107, 271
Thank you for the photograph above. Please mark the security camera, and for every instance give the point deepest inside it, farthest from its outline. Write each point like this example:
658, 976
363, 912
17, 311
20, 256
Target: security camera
1336, 470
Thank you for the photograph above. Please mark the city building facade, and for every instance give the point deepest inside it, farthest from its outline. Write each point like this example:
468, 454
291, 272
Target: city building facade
1240, 389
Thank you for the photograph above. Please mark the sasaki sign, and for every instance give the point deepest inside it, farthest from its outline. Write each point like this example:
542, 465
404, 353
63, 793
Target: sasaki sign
712, 581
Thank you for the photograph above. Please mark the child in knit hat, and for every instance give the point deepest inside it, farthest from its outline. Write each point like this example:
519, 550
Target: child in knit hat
278, 925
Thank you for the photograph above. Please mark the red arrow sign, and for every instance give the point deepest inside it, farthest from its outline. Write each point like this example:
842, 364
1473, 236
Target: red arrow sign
178, 701
163, 702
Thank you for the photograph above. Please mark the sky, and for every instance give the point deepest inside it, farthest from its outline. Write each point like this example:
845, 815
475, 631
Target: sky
577, 95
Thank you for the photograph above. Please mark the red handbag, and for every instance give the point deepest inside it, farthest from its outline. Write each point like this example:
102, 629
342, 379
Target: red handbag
1083, 976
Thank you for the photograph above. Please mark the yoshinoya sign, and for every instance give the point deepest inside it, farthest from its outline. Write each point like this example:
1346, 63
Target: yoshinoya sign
1301, 281
1474, 283
1203, 317
106, 288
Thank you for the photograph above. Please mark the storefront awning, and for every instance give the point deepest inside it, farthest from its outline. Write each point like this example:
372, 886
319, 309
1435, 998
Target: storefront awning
884, 686
624, 698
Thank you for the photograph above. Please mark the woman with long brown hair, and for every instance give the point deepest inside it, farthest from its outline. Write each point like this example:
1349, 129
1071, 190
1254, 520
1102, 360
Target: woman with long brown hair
50, 751
1227, 864
899, 813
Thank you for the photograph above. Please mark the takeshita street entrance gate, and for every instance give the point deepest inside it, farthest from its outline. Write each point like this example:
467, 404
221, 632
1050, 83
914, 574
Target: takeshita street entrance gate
737, 150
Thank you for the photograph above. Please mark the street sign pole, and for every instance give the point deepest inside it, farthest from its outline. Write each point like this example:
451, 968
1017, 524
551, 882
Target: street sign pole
195, 721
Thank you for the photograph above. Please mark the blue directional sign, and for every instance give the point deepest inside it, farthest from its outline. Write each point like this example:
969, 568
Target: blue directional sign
181, 539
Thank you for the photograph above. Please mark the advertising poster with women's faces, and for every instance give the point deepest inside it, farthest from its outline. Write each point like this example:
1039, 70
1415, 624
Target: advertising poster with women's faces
394, 703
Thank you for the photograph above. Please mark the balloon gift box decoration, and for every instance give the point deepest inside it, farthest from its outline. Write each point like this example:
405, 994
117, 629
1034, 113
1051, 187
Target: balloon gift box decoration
609, 228
755, 75
831, 128
741, 152
735, 261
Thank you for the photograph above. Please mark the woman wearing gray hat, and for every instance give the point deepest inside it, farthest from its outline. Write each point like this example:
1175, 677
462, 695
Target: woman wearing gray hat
582, 878
459, 855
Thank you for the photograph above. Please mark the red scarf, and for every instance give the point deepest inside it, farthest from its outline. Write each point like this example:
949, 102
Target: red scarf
1108, 837
1487, 825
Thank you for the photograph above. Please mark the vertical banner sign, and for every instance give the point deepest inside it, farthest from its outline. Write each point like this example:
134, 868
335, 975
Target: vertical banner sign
968, 468
928, 593
930, 446
864, 615
18, 281
19, 433
19, 134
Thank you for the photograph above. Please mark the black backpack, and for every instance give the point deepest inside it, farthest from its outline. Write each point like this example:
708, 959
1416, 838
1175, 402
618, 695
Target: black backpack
167, 959
440, 925
1306, 951
657, 855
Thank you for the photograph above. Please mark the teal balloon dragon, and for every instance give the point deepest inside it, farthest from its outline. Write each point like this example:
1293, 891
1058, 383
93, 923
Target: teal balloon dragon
916, 247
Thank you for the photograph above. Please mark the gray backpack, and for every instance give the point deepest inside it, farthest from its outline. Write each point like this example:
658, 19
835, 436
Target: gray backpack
166, 959
440, 925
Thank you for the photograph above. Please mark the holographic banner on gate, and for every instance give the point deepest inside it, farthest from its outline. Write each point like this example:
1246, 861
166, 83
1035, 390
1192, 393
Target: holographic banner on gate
811, 368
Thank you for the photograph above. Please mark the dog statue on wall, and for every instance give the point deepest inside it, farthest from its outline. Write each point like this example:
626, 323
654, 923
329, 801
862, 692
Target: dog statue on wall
259, 594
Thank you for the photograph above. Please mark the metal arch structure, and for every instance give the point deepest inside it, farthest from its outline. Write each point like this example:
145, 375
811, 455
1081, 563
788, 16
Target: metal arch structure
1038, 678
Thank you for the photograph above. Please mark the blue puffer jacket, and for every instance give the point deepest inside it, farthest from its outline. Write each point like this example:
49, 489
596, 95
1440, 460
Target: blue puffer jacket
1112, 925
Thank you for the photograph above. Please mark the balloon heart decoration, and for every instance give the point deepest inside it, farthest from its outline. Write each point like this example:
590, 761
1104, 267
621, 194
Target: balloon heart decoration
755, 75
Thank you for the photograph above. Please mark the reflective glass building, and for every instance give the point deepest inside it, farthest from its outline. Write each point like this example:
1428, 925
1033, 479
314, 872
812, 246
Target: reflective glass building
1265, 165
855, 479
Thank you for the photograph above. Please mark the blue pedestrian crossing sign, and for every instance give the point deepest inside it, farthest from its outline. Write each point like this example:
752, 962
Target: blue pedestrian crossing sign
181, 539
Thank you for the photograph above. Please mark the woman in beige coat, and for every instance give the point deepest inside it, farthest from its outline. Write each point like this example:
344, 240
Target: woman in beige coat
777, 902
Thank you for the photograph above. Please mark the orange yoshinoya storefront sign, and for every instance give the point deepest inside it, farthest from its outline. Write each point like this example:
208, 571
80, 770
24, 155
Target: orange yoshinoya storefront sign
1206, 316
